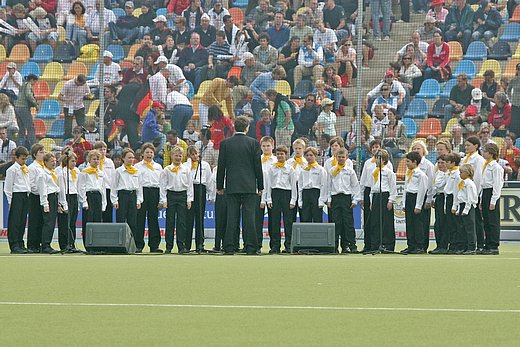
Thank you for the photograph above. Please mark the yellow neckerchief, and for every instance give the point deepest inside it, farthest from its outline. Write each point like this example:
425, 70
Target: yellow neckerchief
310, 166
41, 163
101, 162
54, 177
376, 173
409, 175
194, 165
91, 170
149, 165
73, 175
453, 169
337, 169
373, 160
297, 161
25, 169
467, 157
486, 164
175, 168
131, 169
461, 185
436, 168
334, 161
279, 164
265, 158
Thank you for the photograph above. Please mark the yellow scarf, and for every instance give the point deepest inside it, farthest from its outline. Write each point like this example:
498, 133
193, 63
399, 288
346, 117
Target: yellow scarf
297, 161
149, 165
194, 165
54, 177
454, 168
91, 170
334, 161
486, 164
265, 158
279, 164
409, 175
101, 162
373, 160
40, 162
310, 166
461, 185
436, 168
376, 173
73, 175
337, 169
467, 158
25, 169
175, 168
131, 169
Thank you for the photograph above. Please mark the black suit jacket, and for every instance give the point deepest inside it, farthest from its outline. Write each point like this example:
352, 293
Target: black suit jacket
240, 165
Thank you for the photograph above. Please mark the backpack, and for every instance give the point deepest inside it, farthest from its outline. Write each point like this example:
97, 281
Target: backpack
295, 110
65, 53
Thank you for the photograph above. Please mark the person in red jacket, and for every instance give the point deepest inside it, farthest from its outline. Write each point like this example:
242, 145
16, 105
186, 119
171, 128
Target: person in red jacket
177, 7
79, 145
221, 126
500, 115
438, 59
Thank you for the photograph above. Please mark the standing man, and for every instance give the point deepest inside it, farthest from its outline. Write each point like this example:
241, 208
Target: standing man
244, 181
218, 90
72, 96
513, 91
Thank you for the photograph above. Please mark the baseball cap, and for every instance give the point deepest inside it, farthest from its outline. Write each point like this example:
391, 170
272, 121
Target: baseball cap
129, 4
157, 104
390, 73
326, 102
160, 18
11, 65
476, 94
119, 122
471, 111
205, 16
247, 55
107, 54
161, 59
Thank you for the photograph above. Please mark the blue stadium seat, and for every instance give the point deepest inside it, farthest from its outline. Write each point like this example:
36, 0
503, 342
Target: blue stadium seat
50, 109
500, 51
447, 88
191, 93
430, 89
411, 127
467, 67
161, 12
417, 109
30, 68
117, 51
43, 54
93, 72
240, 3
57, 129
477, 50
119, 12
511, 33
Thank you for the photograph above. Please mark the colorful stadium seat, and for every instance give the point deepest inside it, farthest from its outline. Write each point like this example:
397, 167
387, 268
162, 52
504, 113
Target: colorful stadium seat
75, 69
41, 90
19, 54
57, 90
515, 18
417, 109
235, 71
449, 127
411, 127
511, 33
50, 109
467, 67
430, 89
53, 72
240, 3
3, 53
447, 88
48, 144
500, 51
94, 105
238, 16
117, 51
455, 51
131, 53
431, 126
93, 72
42, 54
191, 92
477, 50
40, 128
283, 87
30, 68
3, 67
491, 64
510, 70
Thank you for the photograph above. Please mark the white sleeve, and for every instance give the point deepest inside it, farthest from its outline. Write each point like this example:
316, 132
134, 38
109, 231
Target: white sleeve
82, 194
163, 183
498, 183
356, 192
140, 197
268, 198
300, 189
62, 197
294, 192
392, 187
8, 185
42, 191
103, 199
324, 191
421, 192
190, 188
113, 188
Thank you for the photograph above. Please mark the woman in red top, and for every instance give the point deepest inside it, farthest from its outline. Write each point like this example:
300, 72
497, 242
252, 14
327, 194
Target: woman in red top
500, 115
221, 126
512, 154
438, 60
177, 7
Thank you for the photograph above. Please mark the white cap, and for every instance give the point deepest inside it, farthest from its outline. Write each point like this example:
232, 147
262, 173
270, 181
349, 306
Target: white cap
161, 59
248, 55
205, 16
476, 94
107, 54
160, 18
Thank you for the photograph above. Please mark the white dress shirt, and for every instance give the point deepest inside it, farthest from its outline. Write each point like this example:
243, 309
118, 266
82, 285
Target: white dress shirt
35, 170
158, 87
283, 178
328, 164
477, 161
439, 182
16, 182
109, 169
72, 187
467, 195
123, 180
368, 168
388, 183
195, 173
47, 186
91, 183
296, 166
175, 98
147, 177
267, 163
315, 178
428, 168
417, 184
452, 181
493, 177
176, 181
345, 182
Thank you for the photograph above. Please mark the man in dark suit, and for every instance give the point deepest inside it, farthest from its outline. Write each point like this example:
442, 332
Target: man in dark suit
239, 164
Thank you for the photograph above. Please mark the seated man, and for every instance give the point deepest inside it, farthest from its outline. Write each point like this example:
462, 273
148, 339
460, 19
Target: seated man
459, 24
426, 32
278, 32
219, 60
396, 89
326, 38
310, 61
192, 59
262, 15
11, 82
92, 23
460, 98
488, 22
251, 70
16, 20
125, 29
147, 47
206, 31
161, 31
138, 71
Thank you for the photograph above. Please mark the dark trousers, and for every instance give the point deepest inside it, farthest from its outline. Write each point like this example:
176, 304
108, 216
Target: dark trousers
515, 119
440, 227
49, 220
281, 206
259, 222
344, 221
220, 220
34, 228
426, 214
17, 218
132, 127
491, 220
467, 234
414, 224
67, 223
94, 212
196, 216
180, 116
405, 11
479, 226
451, 223
127, 211
310, 211
149, 208
108, 213
176, 216
235, 204
366, 213
80, 120
387, 228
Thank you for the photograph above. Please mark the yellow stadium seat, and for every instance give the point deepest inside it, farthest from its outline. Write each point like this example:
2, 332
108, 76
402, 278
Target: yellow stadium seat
491, 64
53, 72
283, 88
48, 144
501, 143
510, 70
62, 34
449, 127
75, 69
94, 105
517, 53
3, 54
19, 54
455, 51
57, 90
131, 53
89, 53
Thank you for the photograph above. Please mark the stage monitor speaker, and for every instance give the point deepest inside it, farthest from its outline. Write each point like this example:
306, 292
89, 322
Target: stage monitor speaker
313, 237
112, 238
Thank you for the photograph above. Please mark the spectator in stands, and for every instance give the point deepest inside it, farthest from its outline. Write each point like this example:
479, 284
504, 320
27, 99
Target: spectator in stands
263, 127
112, 71
11, 81
382, 7
48, 30
513, 90
110, 110
22, 108
181, 35
71, 97
326, 38
79, 145
385, 99
278, 32
313, 11
92, 20
459, 24
410, 75
396, 89
161, 31
221, 126
193, 14
146, 48
426, 32
6, 143
219, 60
265, 53
420, 48
206, 31
320, 91
240, 47
431, 148
460, 97
145, 21
159, 85
137, 71
334, 18
192, 59
500, 116
438, 12
346, 61
457, 140
216, 14
326, 121
438, 60
125, 30
251, 70
63, 8
379, 121
394, 136
512, 154
488, 21
16, 18
289, 15
176, 7
169, 50
470, 119
304, 125
218, 90
300, 29
153, 123
176, 77
127, 113
283, 123
263, 14
259, 87
333, 86
7, 117
476, 100
310, 61
230, 29
173, 140
179, 107
489, 88
288, 58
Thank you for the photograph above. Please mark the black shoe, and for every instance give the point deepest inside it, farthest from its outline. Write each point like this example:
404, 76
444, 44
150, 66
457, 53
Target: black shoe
480, 251
229, 253
253, 253
18, 251
451, 251
459, 252
345, 251
216, 249
33, 250
494, 251
49, 250
417, 251
157, 250
438, 251
242, 251
353, 250
183, 251
201, 250
274, 251
139, 250
168, 251
405, 251
468, 252
285, 251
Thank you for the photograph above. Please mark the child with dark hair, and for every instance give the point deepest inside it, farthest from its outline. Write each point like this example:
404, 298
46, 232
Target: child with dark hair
464, 206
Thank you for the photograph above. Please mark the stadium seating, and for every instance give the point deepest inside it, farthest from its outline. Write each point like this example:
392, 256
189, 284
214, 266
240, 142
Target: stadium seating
517, 143
42, 54
477, 82
235, 71
62, 34
117, 51
500, 141
48, 144
75, 69
430, 89
50, 109
447, 88
57, 90
515, 18
191, 93
3, 68
438, 108
500, 51
302, 89
491, 64
283, 88
19, 54
41, 90
3, 53
53, 72
417, 109
238, 16
137, 12
449, 127
94, 105
431, 126
40, 128
131, 53
30, 68
467, 67
477, 50
511, 33
517, 53
455, 51
510, 70
411, 127
93, 72
125, 65
118, 12
401, 170
89, 54
240, 3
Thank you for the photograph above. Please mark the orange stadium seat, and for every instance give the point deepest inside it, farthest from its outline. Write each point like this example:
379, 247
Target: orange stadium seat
238, 15
3, 69
516, 15
477, 82
431, 126
235, 71
41, 90
76, 68
19, 54
456, 53
40, 127
510, 69
131, 53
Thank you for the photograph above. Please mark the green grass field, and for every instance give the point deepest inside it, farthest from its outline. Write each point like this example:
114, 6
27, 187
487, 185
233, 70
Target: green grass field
277, 300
